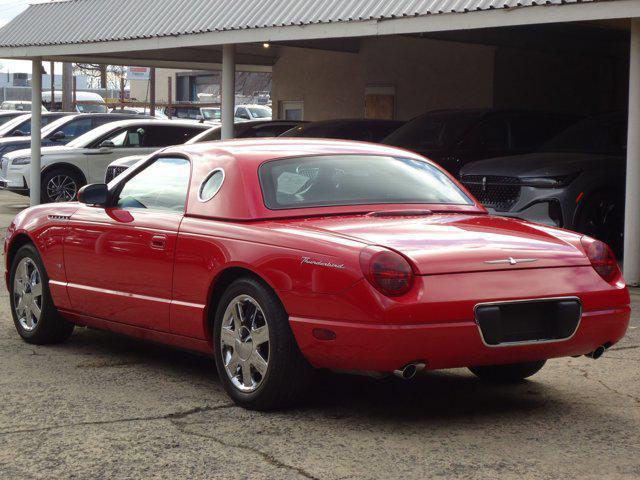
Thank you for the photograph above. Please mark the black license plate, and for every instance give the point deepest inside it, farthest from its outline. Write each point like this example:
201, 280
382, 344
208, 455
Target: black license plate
528, 321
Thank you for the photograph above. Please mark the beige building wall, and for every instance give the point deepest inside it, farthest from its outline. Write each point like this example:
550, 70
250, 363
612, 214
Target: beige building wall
425, 74
139, 88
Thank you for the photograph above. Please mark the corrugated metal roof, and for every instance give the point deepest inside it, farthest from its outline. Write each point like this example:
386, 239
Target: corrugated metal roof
87, 21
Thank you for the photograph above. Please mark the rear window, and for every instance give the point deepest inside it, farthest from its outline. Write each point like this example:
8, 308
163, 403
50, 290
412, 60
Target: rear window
342, 180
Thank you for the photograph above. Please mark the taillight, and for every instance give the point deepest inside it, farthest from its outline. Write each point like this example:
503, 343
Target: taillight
602, 259
388, 271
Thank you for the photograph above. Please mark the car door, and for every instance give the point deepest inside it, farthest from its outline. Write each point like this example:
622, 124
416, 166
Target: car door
119, 259
120, 143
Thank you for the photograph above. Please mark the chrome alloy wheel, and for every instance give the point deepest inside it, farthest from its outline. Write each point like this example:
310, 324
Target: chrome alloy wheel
61, 188
244, 343
27, 294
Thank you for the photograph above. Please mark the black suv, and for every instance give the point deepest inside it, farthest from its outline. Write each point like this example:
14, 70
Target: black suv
454, 138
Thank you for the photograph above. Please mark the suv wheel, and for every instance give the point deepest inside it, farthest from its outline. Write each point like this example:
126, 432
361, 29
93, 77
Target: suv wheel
60, 185
602, 217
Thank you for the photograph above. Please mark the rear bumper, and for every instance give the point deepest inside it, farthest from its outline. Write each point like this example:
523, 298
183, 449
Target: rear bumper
383, 348
435, 322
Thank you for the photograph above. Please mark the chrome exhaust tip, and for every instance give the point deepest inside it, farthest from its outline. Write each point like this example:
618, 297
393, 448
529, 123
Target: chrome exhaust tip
409, 371
597, 353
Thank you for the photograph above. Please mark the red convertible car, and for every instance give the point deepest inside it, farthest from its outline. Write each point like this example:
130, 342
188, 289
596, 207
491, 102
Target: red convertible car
281, 256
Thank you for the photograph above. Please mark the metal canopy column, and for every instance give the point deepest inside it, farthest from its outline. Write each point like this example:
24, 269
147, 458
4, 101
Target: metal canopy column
36, 122
228, 90
632, 213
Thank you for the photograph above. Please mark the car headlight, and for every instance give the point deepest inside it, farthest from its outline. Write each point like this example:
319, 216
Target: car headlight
21, 161
557, 181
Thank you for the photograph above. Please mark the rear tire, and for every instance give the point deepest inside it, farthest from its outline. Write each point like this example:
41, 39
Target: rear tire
257, 357
35, 316
511, 373
61, 184
602, 217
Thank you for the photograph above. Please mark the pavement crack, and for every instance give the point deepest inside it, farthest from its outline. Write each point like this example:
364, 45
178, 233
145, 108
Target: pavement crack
268, 458
168, 416
586, 375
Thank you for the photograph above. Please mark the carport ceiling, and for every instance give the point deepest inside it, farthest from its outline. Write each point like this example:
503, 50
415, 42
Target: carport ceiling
189, 33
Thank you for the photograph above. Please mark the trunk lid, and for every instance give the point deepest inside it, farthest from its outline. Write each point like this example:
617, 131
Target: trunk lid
451, 243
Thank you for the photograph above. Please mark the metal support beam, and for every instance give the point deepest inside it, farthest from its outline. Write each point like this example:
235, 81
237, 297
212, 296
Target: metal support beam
36, 137
228, 90
67, 87
152, 92
632, 209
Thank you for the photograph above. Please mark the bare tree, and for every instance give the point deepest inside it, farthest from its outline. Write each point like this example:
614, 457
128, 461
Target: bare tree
101, 76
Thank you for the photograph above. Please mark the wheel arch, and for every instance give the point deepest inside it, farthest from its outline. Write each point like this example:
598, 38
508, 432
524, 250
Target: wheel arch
18, 241
218, 286
588, 193
65, 165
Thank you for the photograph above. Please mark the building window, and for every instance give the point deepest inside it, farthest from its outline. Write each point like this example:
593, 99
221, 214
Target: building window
291, 110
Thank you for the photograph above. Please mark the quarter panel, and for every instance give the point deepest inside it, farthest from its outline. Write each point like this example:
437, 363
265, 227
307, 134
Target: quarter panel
205, 248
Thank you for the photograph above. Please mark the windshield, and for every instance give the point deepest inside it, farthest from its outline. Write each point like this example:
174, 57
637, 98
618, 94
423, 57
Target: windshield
340, 180
259, 112
91, 108
13, 124
434, 131
604, 135
210, 113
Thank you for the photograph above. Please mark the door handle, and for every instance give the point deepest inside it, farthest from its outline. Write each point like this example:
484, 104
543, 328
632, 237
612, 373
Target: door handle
158, 242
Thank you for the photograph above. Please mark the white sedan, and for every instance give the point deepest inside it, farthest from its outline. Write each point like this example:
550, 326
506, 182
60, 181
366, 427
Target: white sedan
84, 160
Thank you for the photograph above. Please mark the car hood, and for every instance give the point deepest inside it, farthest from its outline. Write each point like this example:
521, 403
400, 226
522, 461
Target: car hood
61, 150
541, 164
13, 140
452, 243
127, 161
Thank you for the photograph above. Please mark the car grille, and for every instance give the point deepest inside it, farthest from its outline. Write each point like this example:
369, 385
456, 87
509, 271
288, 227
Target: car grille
113, 172
497, 192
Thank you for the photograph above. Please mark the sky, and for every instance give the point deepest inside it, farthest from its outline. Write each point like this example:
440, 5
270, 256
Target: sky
8, 10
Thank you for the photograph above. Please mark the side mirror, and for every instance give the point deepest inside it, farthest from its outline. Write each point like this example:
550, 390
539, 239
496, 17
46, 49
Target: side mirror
17, 133
59, 135
200, 118
94, 194
107, 144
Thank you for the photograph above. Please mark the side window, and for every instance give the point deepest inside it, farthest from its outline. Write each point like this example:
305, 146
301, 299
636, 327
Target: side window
99, 121
25, 127
161, 186
126, 138
269, 130
163, 136
242, 112
491, 135
75, 128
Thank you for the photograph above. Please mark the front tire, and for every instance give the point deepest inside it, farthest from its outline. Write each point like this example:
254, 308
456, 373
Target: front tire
35, 316
257, 358
60, 184
514, 372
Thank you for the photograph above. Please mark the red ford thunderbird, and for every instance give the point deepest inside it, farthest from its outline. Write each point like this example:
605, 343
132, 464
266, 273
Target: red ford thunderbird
278, 257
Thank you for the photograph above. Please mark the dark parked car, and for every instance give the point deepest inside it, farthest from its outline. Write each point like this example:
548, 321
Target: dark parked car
63, 130
20, 126
357, 129
575, 181
254, 129
454, 138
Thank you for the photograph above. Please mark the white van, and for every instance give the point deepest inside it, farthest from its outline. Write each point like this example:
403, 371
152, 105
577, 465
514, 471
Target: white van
97, 104
18, 105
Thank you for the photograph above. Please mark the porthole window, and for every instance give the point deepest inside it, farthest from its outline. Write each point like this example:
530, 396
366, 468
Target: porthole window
211, 185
